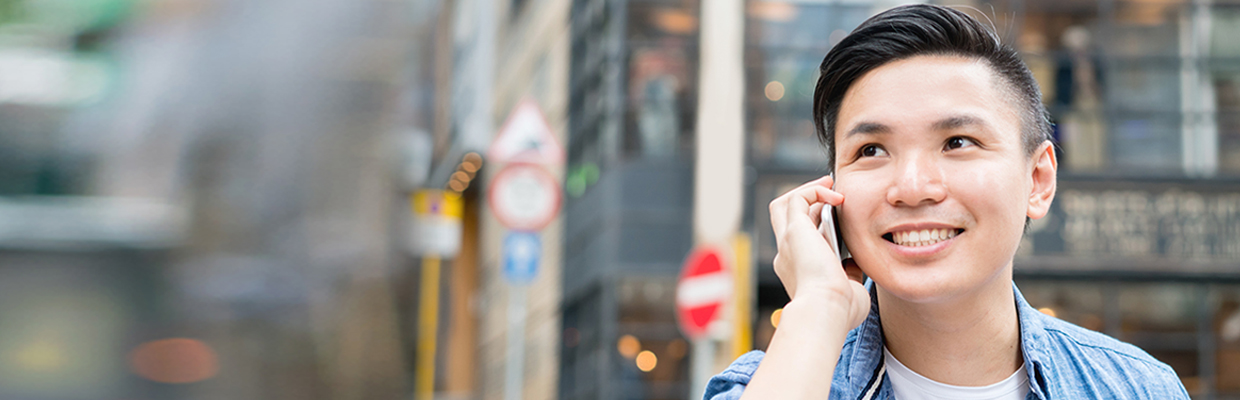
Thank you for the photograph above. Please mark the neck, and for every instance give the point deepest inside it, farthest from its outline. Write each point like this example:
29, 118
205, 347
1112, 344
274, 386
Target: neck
970, 340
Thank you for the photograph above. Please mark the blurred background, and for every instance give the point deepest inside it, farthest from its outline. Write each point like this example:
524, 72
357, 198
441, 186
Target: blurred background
300, 199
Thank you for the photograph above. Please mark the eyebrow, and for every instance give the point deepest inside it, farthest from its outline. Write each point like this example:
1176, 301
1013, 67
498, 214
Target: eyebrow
868, 128
957, 121
945, 124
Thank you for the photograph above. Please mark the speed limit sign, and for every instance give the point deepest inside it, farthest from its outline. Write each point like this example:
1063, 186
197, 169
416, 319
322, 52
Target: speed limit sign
524, 197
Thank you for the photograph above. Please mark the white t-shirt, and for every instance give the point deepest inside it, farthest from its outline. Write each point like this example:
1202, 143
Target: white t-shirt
909, 385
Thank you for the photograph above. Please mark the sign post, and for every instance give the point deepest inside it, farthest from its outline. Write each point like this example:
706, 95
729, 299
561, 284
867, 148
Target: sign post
436, 234
525, 198
703, 290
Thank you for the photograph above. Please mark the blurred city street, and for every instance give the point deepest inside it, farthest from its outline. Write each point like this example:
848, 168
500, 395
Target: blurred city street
537, 199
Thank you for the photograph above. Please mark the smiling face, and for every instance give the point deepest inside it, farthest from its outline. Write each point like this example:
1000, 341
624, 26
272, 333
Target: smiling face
936, 182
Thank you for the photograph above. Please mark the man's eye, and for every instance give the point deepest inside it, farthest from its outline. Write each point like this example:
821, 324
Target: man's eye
958, 142
872, 150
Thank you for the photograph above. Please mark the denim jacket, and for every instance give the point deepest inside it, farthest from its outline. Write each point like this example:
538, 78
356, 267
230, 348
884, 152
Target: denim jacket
1064, 361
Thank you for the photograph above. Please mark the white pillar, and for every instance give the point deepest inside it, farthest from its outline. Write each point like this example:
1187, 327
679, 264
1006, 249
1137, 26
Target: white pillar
720, 156
719, 168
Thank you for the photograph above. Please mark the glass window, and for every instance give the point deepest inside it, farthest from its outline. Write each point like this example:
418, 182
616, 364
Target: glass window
662, 86
1225, 78
652, 357
785, 43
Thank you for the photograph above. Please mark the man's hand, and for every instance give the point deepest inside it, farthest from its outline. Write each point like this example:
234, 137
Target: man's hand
808, 268
828, 300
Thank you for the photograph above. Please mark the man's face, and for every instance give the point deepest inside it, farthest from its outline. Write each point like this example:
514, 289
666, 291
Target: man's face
935, 181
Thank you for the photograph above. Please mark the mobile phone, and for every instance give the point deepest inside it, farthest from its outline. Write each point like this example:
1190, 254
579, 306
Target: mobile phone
830, 230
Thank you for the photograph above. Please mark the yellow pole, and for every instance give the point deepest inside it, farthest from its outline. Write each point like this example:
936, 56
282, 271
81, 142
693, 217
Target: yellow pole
428, 326
742, 341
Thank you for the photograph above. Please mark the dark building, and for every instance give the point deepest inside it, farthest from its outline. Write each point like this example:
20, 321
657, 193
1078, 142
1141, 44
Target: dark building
628, 210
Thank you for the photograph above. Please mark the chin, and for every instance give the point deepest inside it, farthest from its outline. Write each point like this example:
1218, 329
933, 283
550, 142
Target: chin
921, 289
930, 284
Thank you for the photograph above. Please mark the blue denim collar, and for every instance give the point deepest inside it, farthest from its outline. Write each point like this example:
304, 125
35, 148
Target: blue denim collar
1034, 348
867, 356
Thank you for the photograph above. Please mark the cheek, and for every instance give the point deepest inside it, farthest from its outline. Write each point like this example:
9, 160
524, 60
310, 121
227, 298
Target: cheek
991, 194
860, 202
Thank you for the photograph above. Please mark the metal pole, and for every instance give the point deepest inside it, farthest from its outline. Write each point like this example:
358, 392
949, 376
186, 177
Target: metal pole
702, 366
428, 327
742, 338
514, 368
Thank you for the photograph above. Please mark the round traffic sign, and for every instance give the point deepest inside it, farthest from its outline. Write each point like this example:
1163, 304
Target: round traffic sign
704, 288
524, 197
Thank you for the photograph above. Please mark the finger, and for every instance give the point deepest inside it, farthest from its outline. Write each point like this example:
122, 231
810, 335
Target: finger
825, 181
779, 217
815, 213
798, 204
778, 206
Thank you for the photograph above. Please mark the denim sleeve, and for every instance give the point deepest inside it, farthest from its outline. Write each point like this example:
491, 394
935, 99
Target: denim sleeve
730, 383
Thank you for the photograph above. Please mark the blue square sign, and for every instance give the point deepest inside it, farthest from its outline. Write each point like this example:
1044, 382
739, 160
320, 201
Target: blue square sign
522, 251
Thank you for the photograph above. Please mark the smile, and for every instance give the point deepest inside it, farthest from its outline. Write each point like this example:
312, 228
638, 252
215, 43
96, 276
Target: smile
923, 237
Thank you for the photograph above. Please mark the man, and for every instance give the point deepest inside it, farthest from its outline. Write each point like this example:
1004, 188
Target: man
940, 150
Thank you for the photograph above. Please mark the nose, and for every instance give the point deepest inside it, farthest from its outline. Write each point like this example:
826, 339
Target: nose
918, 181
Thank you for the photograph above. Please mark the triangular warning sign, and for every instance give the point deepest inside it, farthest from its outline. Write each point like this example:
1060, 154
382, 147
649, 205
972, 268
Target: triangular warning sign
526, 137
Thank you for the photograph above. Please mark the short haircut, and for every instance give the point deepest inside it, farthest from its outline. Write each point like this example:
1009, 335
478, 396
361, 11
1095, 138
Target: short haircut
924, 30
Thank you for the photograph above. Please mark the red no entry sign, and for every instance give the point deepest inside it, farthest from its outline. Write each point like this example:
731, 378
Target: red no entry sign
704, 288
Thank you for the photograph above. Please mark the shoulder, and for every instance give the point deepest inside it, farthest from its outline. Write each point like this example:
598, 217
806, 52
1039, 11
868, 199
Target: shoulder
1074, 339
730, 384
740, 371
1101, 365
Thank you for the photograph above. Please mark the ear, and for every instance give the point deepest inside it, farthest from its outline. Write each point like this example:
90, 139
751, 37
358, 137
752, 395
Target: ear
1043, 175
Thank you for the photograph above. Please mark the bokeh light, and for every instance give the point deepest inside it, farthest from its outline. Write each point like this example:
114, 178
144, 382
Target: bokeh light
628, 346
1048, 311
676, 21
775, 317
177, 360
646, 361
472, 162
774, 91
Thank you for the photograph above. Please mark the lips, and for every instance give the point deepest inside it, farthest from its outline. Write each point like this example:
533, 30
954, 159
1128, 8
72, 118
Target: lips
921, 237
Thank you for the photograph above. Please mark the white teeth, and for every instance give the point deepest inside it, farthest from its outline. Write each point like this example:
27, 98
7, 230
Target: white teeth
924, 237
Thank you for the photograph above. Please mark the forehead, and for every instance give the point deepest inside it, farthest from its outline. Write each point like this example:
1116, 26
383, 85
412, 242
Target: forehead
918, 91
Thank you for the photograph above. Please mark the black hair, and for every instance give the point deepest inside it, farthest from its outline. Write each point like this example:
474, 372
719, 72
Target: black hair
916, 30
